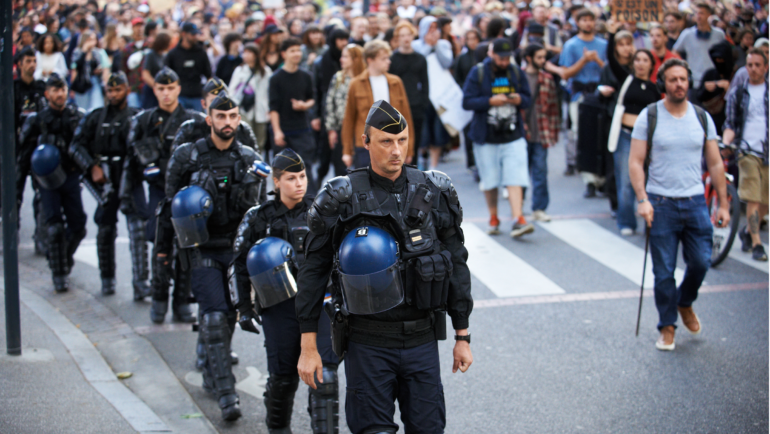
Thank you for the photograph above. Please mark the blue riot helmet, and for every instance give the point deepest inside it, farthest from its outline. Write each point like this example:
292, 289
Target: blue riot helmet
369, 271
269, 264
46, 166
190, 210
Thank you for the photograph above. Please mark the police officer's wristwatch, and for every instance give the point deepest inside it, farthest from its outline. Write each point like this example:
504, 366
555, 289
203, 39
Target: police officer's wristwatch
466, 338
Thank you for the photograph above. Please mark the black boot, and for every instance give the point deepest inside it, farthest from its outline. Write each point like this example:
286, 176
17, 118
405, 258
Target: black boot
180, 304
73, 242
139, 267
590, 191
158, 311
57, 256
218, 375
160, 286
324, 404
232, 320
105, 250
279, 401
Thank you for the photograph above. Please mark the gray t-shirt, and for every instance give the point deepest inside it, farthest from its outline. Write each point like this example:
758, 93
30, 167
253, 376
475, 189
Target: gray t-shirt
697, 51
677, 148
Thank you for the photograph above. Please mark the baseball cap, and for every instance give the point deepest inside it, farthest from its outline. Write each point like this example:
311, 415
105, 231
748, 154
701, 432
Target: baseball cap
272, 29
502, 47
535, 28
137, 21
190, 28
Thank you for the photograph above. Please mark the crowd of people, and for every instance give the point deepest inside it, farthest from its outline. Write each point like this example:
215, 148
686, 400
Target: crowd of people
190, 100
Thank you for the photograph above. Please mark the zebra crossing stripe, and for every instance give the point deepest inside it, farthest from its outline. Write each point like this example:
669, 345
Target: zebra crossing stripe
608, 249
493, 264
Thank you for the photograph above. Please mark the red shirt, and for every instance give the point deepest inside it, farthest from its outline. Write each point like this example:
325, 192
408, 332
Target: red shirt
669, 55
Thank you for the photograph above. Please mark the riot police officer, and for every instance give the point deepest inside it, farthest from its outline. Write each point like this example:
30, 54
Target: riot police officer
99, 149
43, 143
190, 132
29, 97
150, 137
392, 236
276, 223
224, 169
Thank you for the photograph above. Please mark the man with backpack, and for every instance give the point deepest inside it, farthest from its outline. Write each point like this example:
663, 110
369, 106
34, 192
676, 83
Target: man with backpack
668, 141
497, 91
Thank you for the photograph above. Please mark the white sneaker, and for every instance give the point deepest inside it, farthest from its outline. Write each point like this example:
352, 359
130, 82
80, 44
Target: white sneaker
540, 216
626, 232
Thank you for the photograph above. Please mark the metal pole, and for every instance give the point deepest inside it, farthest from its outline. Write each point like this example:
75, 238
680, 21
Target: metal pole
644, 271
10, 214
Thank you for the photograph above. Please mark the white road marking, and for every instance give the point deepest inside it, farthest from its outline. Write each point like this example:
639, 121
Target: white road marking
492, 264
253, 385
608, 249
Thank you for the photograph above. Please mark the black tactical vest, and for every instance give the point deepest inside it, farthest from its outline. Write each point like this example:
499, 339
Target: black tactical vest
108, 140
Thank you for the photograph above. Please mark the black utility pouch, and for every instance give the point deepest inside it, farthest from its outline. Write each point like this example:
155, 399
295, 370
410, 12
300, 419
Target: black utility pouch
422, 269
148, 150
419, 208
439, 324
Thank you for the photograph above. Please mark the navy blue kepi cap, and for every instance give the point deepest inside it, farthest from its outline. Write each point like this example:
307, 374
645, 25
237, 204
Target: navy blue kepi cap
288, 161
117, 78
222, 102
385, 118
166, 76
214, 86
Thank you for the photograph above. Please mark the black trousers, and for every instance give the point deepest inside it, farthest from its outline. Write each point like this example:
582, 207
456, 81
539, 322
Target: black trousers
329, 157
64, 204
209, 283
376, 377
282, 339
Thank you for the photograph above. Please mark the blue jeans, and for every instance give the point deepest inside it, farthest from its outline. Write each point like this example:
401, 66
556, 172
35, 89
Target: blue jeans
686, 221
626, 195
538, 172
191, 103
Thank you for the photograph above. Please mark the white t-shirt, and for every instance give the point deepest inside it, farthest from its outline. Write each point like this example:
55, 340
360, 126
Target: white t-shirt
380, 89
755, 128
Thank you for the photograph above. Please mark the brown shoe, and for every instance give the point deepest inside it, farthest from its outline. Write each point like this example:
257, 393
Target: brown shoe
666, 340
690, 320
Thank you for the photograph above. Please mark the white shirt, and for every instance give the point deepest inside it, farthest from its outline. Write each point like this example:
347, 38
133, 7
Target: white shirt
380, 89
53, 62
755, 128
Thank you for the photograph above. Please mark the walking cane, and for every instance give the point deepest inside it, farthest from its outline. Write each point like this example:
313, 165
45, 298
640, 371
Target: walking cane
644, 271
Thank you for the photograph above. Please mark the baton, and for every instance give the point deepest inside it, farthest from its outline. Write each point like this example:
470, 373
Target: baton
89, 185
644, 271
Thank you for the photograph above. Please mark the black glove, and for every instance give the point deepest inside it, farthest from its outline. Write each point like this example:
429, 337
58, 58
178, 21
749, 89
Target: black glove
127, 207
249, 319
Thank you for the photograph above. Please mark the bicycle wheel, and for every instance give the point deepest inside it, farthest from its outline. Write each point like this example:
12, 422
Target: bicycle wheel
724, 237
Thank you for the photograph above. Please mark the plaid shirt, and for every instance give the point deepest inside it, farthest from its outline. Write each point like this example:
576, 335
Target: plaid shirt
545, 103
736, 116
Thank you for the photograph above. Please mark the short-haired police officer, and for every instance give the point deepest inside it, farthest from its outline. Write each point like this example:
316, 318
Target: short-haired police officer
390, 237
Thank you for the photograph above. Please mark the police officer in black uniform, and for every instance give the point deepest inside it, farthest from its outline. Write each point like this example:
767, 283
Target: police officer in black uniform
61, 204
284, 218
388, 322
190, 132
29, 97
150, 138
224, 168
99, 149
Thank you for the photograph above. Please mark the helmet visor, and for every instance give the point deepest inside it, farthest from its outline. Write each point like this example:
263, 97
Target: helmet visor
372, 293
190, 231
274, 286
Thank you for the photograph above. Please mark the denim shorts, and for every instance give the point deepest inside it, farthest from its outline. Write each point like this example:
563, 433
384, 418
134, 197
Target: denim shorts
502, 165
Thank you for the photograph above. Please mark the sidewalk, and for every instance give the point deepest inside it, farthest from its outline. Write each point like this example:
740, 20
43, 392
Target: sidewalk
72, 348
44, 391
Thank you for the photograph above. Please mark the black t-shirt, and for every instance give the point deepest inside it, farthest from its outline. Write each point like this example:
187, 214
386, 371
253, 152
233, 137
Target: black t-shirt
412, 69
28, 99
190, 65
501, 120
285, 86
153, 63
639, 95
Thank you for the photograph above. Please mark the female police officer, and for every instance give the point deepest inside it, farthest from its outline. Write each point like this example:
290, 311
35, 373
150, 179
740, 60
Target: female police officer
278, 227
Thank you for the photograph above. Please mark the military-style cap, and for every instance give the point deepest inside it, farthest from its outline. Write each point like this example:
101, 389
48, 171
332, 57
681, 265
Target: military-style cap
222, 102
288, 161
214, 86
117, 78
385, 118
54, 80
166, 76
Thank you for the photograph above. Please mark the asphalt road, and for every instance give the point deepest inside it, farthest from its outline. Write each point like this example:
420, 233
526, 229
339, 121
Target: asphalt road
553, 331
